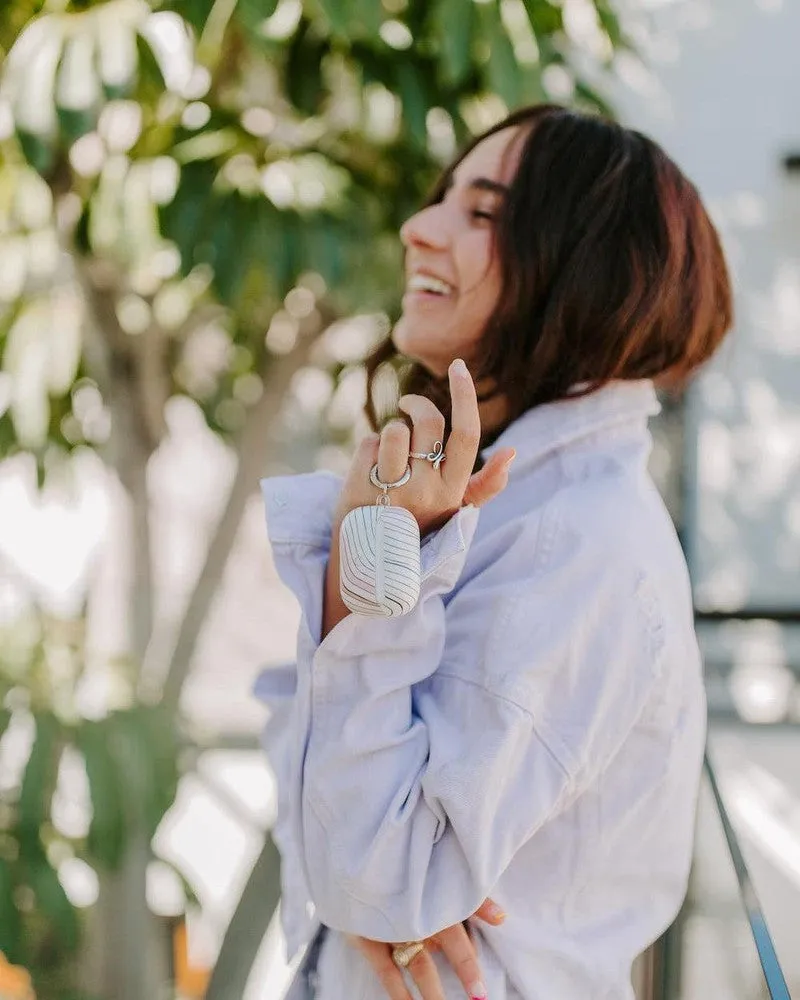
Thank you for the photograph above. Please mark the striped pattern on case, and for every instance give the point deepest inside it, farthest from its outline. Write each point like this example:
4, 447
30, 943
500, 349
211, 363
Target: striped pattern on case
379, 567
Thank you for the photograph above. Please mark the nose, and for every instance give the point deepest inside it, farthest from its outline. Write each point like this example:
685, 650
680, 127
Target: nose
425, 229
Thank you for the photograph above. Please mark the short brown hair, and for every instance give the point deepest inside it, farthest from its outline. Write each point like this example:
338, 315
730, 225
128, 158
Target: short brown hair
611, 268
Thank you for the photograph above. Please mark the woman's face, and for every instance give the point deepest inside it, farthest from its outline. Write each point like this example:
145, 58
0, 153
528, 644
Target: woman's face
452, 273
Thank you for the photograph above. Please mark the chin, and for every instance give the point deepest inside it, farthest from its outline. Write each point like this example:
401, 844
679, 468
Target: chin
412, 343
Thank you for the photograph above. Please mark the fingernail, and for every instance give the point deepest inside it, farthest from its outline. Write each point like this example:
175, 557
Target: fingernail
496, 913
477, 991
459, 368
511, 458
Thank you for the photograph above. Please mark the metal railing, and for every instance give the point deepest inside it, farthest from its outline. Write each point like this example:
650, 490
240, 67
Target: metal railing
657, 973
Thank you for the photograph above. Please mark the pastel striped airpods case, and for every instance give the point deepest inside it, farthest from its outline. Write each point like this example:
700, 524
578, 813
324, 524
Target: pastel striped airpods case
379, 561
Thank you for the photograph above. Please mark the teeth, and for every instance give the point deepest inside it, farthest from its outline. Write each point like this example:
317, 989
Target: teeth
427, 283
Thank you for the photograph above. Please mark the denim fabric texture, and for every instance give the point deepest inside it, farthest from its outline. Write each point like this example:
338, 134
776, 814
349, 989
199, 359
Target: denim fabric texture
532, 731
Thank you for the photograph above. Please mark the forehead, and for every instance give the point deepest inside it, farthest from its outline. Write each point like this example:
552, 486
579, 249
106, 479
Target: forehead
495, 158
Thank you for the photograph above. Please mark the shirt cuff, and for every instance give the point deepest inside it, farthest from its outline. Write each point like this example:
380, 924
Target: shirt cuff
442, 559
300, 508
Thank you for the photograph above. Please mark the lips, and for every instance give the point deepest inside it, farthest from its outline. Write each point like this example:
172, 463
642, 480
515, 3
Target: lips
427, 283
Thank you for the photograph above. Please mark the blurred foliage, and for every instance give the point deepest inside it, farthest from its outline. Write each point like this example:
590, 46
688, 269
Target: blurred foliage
71, 788
193, 192
201, 153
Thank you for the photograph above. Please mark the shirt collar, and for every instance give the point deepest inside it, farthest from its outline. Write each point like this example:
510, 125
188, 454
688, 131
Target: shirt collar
551, 426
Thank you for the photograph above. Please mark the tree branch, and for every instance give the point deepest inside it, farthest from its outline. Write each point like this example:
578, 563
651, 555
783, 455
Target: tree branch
152, 382
251, 451
247, 927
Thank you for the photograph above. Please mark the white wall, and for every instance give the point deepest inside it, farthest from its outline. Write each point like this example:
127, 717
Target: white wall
723, 98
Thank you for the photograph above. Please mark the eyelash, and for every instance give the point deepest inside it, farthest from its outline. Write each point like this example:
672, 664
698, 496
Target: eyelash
476, 214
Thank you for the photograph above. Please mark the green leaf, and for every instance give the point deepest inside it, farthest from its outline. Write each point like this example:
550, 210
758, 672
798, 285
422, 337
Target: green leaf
502, 70
5, 718
591, 98
55, 905
10, 924
326, 244
38, 782
183, 220
303, 78
194, 12
145, 747
107, 831
116, 57
252, 13
157, 727
367, 17
412, 91
34, 76
337, 13
454, 22
610, 22
39, 151
545, 17
150, 82
231, 228
77, 93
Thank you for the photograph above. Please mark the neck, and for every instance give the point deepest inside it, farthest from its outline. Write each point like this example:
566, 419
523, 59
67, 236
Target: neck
493, 412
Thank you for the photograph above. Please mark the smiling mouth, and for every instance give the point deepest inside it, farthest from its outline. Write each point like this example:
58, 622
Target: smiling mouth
429, 285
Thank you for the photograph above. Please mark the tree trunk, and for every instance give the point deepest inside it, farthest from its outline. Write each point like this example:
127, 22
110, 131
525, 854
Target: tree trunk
131, 965
247, 927
252, 452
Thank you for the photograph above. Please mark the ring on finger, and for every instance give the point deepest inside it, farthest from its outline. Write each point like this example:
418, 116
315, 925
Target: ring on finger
436, 457
373, 478
404, 954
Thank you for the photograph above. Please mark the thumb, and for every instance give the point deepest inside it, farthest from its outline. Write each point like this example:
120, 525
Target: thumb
491, 479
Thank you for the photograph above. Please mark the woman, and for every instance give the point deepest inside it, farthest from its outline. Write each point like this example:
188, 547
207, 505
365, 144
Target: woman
533, 729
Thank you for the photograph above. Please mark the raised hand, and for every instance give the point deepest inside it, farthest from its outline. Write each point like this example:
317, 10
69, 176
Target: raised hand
433, 494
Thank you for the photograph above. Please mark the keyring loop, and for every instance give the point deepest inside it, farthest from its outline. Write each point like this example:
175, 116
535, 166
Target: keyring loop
373, 478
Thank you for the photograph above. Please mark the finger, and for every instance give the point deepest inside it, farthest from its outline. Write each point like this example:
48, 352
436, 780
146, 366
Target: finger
465, 433
364, 457
490, 913
460, 953
379, 956
393, 451
423, 971
492, 479
427, 420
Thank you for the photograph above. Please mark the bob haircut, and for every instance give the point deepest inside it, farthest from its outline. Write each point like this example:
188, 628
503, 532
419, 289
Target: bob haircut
610, 269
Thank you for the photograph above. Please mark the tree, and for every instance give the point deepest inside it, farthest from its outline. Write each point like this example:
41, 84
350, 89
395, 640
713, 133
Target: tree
229, 172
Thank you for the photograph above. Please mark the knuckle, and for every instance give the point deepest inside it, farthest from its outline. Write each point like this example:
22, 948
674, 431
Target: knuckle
419, 962
367, 445
467, 964
466, 435
433, 423
395, 430
421, 406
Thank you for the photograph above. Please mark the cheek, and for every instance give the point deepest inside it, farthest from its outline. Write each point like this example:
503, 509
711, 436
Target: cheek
479, 273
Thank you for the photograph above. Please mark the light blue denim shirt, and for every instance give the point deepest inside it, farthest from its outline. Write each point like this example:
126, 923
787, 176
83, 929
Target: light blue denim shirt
532, 731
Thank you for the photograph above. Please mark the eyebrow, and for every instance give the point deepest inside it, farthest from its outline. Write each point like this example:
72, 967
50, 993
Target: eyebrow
481, 184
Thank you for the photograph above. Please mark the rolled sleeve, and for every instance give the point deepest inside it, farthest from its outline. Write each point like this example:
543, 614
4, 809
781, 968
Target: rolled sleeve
429, 765
432, 746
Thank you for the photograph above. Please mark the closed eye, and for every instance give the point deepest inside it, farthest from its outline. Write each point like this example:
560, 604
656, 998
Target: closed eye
478, 214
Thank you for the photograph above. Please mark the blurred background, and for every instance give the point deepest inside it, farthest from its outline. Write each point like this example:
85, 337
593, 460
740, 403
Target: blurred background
199, 206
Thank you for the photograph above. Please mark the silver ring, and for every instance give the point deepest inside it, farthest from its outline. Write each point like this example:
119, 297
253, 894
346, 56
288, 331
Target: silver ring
404, 954
373, 478
436, 457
